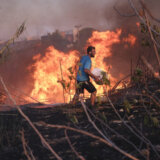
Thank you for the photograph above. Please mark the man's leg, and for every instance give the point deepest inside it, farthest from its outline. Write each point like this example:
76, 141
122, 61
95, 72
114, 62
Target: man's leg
93, 97
75, 99
91, 89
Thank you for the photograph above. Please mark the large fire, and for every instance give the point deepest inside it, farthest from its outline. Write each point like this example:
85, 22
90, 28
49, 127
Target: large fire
50, 69
53, 67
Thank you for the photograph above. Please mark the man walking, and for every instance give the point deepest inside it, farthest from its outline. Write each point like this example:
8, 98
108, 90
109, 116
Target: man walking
83, 76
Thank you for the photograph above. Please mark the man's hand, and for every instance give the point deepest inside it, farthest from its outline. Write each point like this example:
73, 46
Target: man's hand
96, 78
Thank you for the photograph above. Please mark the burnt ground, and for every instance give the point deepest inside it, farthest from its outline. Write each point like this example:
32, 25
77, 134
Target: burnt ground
138, 106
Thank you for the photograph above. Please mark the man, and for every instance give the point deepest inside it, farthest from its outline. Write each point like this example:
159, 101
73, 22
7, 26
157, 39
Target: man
83, 76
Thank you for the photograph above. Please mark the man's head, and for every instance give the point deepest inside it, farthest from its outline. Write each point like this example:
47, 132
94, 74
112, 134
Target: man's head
91, 51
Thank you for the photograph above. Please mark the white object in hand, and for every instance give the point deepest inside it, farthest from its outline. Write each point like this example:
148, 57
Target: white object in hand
99, 73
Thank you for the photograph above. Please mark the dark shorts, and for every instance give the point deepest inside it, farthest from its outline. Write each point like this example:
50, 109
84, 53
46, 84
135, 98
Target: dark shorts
85, 85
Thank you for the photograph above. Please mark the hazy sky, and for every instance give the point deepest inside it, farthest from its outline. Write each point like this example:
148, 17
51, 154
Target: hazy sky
44, 16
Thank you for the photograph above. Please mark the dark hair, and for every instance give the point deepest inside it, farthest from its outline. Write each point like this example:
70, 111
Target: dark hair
90, 49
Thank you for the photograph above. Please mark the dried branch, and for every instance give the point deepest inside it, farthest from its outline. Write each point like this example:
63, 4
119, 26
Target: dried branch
24, 145
73, 149
148, 65
153, 99
15, 36
31, 154
123, 15
62, 79
140, 17
21, 92
139, 135
147, 141
107, 139
152, 38
82, 132
93, 124
118, 135
148, 11
30, 122
116, 85
144, 21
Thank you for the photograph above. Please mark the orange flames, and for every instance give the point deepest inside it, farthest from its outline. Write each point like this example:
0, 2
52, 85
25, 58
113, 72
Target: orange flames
48, 69
48, 73
103, 42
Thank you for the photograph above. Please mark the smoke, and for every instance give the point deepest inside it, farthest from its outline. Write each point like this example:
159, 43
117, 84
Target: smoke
46, 16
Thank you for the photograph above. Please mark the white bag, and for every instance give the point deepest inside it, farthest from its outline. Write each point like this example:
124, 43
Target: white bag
100, 73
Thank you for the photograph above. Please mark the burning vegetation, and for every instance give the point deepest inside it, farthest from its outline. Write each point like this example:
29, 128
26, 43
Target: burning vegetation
54, 66
37, 120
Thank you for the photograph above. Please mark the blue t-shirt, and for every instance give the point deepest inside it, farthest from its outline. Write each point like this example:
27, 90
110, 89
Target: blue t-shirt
85, 63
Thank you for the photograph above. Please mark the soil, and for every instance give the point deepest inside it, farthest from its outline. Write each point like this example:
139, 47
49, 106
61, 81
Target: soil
135, 110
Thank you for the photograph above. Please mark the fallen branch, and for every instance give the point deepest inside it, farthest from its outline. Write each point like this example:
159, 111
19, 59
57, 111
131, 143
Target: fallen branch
82, 132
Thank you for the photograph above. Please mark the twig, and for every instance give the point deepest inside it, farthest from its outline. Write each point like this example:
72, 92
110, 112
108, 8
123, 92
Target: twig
24, 145
118, 135
141, 18
24, 93
153, 99
145, 106
148, 65
139, 135
62, 79
16, 35
116, 85
93, 124
31, 153
124, 15
148, 11
73, 149
152, 38
144, 22
30, 122
82, 132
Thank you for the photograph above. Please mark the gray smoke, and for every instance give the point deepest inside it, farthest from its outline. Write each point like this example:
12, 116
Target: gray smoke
44, 16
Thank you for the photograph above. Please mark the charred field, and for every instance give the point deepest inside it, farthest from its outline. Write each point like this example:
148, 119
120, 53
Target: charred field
129, 119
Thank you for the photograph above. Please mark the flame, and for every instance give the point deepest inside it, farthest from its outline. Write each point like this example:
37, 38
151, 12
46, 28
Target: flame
103, 42
48, 72
130, 39
138, 24
48, 69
